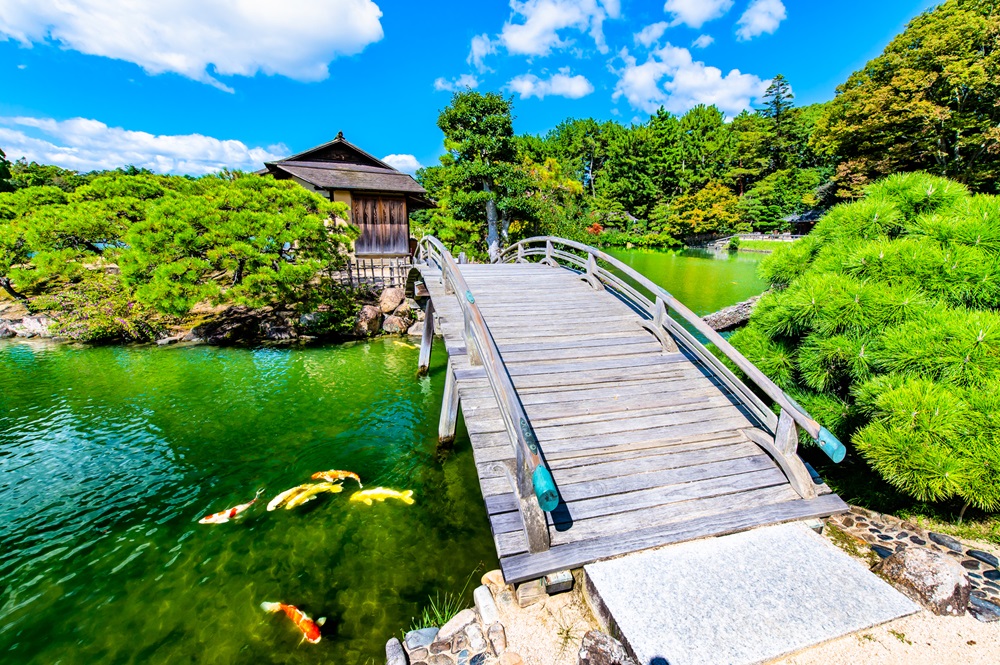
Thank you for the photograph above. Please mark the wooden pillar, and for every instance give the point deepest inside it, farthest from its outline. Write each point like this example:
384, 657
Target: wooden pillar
426, 340
449, 408
657, 325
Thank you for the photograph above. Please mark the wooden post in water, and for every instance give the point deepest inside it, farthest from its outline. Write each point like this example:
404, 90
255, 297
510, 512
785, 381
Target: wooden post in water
426, 340
449, 408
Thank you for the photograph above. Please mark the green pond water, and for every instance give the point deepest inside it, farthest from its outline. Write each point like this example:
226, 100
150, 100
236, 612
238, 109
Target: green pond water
109, 456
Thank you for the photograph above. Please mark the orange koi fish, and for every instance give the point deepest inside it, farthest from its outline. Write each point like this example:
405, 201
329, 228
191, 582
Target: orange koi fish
224, 516
309, 628
336, 476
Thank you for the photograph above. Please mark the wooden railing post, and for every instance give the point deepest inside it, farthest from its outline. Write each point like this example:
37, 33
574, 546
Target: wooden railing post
548, 260
449, 408
470, 344
520, 254
782, 448
657, 326
426, 339
591, 275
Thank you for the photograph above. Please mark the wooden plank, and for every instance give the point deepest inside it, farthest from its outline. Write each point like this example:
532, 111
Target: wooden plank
644, 361
523, 567
722, 439
648, 348
637, 337
611, 424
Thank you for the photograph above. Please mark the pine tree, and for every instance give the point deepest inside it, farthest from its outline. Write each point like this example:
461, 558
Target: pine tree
778, 108
5, 184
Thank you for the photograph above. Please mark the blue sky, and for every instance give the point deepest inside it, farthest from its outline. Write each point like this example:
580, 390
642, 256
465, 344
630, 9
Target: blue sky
190, 86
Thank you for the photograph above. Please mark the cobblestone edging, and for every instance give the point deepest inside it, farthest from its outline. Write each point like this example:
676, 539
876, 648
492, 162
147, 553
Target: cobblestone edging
886, 535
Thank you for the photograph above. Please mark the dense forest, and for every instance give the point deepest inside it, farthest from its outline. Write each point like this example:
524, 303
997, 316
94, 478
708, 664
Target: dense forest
927, 103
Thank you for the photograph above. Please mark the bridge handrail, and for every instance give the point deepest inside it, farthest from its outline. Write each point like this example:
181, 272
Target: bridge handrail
546, 246
533, 480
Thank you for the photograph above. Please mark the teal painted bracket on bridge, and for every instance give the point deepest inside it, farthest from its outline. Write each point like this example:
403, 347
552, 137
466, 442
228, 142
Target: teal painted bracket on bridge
831, 445
469, 296
545, 488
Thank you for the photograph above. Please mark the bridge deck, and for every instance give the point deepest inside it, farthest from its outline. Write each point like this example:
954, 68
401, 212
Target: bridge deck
646, 447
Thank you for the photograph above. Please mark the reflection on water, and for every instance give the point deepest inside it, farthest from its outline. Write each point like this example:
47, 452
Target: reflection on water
108, 457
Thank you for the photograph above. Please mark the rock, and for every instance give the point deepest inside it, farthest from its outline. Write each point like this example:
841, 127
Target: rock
601, 649
191, 337
418, 654
992, 574
883, 552
945, 541
368, 321
984, 610
937, 582
440, 646
36, 325
167, 340
498, 638
485, 605
420, 638
404, 311
970, 564
476, 640
494, 579
459, 642
530, 593
478, 659
917, 541
277, 329
394, 325
394, 654
732, 316
463, 657
416, 330
511, 658
390, 299
558, 582
985, 557
5, 330
440, 659
457, 623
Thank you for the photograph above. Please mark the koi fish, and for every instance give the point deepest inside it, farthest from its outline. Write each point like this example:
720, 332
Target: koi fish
280, 500
309, 628
381, 494
335, 476
311, 493
409, 346
224, 516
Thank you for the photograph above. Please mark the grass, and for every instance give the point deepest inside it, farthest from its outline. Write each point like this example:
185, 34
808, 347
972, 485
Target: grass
857, 484
441, 608
761, 245
900, 636
851, 545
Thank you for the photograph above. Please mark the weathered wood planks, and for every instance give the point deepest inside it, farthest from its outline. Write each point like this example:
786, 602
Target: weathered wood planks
646, 447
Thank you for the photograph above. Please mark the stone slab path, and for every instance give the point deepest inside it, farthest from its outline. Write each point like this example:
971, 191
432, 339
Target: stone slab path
745, 598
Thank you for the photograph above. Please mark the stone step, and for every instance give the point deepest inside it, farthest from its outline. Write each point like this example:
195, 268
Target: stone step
745, 598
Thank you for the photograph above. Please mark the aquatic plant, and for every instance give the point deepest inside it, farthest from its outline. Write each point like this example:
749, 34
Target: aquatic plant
883, 325
441, 607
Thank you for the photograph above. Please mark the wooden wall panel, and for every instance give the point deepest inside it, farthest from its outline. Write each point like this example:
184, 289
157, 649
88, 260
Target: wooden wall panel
384, 226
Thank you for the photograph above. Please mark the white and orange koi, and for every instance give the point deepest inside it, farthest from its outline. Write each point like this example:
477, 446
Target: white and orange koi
334, 476
309, 628
224, 516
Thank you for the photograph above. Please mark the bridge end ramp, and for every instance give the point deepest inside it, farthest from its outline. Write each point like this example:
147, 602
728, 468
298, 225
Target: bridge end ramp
739, 599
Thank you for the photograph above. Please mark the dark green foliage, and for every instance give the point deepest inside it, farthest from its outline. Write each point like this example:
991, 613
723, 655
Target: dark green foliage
885, 329
124, 249
5, 177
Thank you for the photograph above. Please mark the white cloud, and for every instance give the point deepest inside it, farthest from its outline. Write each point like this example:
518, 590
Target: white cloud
86, 145
671, 78
480, 48
558, 85
651, 34
543, 20
762, 16
703, 41
404, 163
462, 82
695, 13
198, 39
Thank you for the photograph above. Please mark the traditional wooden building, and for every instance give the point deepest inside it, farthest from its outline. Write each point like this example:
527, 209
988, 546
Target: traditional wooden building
378, 196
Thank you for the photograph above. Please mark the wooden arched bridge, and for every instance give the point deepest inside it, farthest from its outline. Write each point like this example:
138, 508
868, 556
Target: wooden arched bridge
600, 423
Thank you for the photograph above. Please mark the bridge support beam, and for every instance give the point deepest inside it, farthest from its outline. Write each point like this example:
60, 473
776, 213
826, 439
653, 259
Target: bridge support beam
426, 340
449, 408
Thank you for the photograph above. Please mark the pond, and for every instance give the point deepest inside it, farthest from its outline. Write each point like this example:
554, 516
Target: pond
704, 280
109, 456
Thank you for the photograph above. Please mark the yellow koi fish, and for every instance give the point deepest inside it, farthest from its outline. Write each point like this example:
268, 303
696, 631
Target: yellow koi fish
308, 495
280, 500
381, 494
334, 476
409, 346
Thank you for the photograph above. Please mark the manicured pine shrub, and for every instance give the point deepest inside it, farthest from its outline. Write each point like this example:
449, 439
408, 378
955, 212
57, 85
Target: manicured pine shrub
883, 326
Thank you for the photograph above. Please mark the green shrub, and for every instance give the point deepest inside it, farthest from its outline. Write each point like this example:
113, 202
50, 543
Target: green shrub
884, 327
